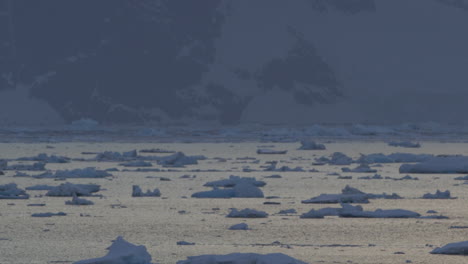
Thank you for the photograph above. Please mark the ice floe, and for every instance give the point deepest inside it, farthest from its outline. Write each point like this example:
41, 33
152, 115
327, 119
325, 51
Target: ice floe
78, 201
349, 195
375, 177
69, 189
242, 258
246, 213
364, 168
241, 226
439, 164
37, 166
438, 195
233, 180
404, 144
273, 167
11, 191
179, 159
157, 150
337, 158
137, 192
185, 243
43, 157
393, 158
116, 156
89, 172
85, 124
48, 214
271, 151
40, 187
457, 248
137, 163
357, 211
122, 252
242, 189
311, 145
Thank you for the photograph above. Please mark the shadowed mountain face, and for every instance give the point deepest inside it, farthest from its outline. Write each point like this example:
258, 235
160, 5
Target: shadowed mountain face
136, 61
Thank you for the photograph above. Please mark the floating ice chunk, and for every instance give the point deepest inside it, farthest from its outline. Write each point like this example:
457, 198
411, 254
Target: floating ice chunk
409, 157
434, 217
122, 252
458, 248
241, 226
394, 158
273, 167
157, 150
247, 213
368, 130
379, 213
462, 178
215, 193
338, 198
179, 159
406, 177
362, 168
233, 180
185, 243
42, 157
321, 213
439, 164
116, 156
240, 190
242, 258
69, 189
323, 131
247, 190
438, 195
150, 132
375, 158
287, 211
3, 164
78, 201
375, 177
89, 172
271, 151
310, 145
11, 191
84, 124
40, 187
350, 195
37, 166
351, 190
274, 176
404, 144
137, 192
337, 158
48, 214
137, 163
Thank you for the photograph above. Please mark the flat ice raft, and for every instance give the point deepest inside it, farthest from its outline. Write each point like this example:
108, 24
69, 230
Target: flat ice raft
242, 258
440, 164
458, 248
122, 252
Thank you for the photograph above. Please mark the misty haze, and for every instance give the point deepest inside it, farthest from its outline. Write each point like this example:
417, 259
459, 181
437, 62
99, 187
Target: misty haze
233, 131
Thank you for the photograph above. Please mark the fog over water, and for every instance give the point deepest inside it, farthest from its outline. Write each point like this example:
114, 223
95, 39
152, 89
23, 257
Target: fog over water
233, 61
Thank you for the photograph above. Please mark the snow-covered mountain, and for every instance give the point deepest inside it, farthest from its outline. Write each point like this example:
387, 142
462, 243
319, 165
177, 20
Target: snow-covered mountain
231, 61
